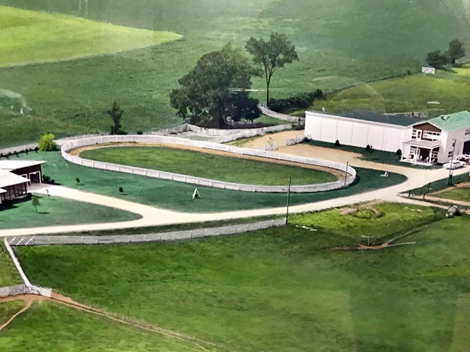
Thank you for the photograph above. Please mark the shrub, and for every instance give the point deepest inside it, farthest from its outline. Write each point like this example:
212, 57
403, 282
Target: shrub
78, 180
121, 189
46, 143
299, 101
398, 152
139, 132
369, 148
337, 143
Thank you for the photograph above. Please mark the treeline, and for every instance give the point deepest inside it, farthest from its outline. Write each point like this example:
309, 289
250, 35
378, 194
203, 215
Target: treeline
438, 59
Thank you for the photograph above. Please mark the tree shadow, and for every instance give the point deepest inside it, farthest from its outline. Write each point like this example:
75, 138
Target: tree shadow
43, 212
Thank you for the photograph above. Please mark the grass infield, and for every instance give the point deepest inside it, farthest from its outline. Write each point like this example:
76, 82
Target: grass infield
211, 166
176, 195
279, 289
54, 211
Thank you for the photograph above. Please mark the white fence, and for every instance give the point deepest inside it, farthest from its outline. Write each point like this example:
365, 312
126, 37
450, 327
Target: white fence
151, 237
269, 147
277, 115
297, 140
203, 181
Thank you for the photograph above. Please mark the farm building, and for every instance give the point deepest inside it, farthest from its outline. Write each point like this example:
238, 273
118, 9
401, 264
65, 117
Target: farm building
421, 141
16, 176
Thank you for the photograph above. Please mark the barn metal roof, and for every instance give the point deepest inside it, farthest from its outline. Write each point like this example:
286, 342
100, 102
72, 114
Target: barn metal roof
452, 122
10, 179
10, 165
398, 120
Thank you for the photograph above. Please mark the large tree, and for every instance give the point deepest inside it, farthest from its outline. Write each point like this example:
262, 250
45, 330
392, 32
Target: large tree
436, 59
271, 55
216, 88
456, 50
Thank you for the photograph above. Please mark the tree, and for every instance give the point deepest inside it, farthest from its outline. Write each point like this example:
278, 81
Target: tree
35, 202
46, 142
116, 114
271, 55
436, 59
216, 88
456, 51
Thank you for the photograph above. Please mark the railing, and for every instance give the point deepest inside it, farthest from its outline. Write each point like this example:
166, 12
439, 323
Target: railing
151, 237
277, 115
311, 188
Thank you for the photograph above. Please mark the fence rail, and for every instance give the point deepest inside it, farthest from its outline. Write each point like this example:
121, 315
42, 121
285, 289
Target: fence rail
284, 117
151, 237
440, 184
312, 188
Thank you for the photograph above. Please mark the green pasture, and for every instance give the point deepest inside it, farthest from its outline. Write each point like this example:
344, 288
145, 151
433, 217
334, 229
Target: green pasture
55, 328
410, 93
8, 309
280, 289
178, 196
455, 193
378, 220
54, 211
8, 274
29, 37
340, 43
211, 166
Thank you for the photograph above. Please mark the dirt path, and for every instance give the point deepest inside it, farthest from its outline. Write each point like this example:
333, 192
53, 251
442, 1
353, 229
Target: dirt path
338, 174
69, 302
280, 138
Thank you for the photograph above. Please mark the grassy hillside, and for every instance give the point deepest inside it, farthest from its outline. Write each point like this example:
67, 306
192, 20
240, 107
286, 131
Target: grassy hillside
30, 37
409, 93
339, 43
279, 289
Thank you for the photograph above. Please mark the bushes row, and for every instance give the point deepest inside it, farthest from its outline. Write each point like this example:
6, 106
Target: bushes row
17, 153
298, 101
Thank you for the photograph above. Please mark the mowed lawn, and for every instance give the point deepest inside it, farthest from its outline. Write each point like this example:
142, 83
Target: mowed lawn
178, 196
8, 309
211, 166
55, 328
340, 43
444, 92
279, 289
456, 193
8, 274
29, 37
54, 211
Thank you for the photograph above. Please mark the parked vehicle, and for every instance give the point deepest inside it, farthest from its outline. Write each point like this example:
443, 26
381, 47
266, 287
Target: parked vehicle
454, 164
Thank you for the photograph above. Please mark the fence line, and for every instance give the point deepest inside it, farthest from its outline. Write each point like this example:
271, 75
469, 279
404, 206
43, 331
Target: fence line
144, 238
203, 181
284, 117
297, 140
439, 184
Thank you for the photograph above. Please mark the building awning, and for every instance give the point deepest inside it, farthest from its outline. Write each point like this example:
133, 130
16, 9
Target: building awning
9, 179
10, 165
423, 144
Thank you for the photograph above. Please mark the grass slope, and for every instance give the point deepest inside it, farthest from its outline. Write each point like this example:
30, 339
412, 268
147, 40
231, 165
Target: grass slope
410, 93
175, 195
8, 274
55, 328
215, 167
457, 193
47, 37
59, 211
340, 43
8, 309
278, 290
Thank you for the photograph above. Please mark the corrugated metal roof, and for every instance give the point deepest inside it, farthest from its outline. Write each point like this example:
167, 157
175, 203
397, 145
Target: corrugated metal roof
18, 164
452, 122
398, 120
10, 179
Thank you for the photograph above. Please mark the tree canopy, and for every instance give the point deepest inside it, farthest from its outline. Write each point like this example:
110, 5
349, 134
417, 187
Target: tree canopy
215, 89
116, 114
271, 55
436, 59
46, 142
456, 50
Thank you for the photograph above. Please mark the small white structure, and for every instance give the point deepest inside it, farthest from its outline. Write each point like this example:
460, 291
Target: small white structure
428, 142
428, 70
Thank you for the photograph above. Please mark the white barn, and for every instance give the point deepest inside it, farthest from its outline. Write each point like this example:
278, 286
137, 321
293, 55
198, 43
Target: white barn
421, 141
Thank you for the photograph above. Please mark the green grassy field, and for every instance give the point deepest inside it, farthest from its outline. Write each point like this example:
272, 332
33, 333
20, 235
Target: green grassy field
178, 196
215, 167
8, 274
46, 37
59, 211
55, 328
378, 220
339, 43
279, 289
410, 93
457, 193
8, 309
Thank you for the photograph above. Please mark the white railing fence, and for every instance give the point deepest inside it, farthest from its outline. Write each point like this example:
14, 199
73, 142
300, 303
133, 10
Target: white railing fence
151, 237
351, 172
277, 115
298, 140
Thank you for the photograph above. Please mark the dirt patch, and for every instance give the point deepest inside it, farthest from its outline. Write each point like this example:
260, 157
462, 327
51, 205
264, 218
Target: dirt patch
280, 138
337, 173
